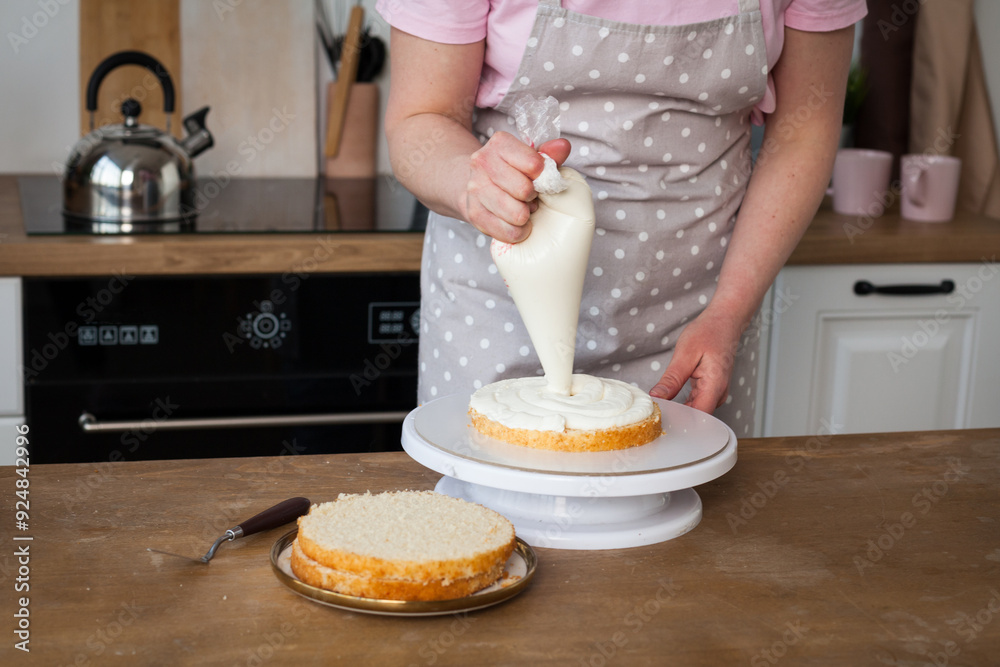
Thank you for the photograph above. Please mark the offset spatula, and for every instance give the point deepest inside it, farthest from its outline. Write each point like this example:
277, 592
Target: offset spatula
280, 514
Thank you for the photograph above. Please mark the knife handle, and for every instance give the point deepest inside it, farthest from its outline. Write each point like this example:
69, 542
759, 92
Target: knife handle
273, 517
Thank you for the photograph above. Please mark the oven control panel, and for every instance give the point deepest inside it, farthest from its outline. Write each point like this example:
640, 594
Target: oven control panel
264, 327
393, 322
214, 327
118, 334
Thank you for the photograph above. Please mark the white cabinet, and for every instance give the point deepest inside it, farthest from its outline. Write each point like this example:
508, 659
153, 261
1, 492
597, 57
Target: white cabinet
8, 439
848, 363
11, 381
11, 385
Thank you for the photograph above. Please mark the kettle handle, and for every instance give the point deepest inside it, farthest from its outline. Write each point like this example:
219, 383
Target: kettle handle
131, 58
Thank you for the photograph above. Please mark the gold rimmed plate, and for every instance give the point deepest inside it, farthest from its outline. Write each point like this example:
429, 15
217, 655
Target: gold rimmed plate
518, 572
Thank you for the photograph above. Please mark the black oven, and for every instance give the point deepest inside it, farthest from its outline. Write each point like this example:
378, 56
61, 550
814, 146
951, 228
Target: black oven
138, 368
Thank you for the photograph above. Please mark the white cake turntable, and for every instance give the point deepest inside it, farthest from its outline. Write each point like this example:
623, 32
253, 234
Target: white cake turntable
592, 500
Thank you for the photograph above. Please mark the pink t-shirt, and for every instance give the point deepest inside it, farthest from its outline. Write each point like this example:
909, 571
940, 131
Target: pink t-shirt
506, 26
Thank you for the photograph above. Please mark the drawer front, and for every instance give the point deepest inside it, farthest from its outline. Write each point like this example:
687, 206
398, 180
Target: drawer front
864, 348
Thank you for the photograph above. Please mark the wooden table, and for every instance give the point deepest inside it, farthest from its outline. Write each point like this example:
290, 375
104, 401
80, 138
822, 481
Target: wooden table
843, 550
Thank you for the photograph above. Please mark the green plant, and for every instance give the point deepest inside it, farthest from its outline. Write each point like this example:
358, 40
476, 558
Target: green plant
857, 90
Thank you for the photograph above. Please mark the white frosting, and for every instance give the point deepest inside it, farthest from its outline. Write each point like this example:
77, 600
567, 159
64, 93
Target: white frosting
594, 403
550, 181
545, 274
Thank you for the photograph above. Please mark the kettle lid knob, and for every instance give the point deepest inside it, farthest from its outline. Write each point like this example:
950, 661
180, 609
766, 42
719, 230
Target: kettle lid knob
131, 110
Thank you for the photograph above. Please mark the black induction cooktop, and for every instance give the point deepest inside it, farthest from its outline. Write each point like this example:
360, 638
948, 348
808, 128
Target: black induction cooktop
252, 205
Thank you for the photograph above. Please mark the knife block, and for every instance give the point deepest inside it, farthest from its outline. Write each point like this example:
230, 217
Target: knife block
356, 157
349, 204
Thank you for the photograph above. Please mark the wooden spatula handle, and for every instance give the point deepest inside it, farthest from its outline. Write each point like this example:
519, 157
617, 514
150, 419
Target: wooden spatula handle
350, 53
273, 517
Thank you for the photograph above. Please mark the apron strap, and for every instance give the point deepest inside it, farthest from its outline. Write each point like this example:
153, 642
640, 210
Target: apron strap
555, 3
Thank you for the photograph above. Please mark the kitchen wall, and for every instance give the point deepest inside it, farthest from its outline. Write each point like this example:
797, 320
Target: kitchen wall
222, 43
253, 63
39, 88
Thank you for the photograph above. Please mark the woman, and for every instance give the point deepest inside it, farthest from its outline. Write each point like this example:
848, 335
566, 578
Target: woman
656, 103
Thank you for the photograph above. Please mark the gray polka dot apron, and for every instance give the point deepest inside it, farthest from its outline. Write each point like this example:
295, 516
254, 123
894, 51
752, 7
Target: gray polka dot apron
658, 118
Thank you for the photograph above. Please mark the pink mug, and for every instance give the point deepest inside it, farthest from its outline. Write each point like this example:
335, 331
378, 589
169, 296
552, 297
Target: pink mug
930, 187
861, 180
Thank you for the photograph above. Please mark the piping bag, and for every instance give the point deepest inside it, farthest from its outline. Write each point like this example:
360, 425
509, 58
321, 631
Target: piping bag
545, 272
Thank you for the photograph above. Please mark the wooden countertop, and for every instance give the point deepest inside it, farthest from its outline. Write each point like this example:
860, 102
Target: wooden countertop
844, 550
831, 239
844, 239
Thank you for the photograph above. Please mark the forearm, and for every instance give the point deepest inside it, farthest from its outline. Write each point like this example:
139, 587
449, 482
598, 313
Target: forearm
436, 155
783, 195
430, 155
792, 171
428, 120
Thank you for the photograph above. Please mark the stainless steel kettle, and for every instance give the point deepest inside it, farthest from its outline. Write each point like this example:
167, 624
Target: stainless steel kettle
132, 177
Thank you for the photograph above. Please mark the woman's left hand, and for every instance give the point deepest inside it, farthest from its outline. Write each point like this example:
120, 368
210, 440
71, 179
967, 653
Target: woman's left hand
704, 353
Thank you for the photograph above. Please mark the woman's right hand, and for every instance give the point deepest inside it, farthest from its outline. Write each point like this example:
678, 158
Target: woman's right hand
500, 196
436, 155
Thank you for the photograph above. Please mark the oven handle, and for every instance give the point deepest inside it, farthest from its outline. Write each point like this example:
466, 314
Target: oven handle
90, 424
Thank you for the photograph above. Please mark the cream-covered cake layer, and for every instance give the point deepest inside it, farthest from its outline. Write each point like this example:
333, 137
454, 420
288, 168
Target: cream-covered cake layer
593, 404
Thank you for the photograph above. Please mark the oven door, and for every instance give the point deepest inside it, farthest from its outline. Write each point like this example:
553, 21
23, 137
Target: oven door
139, 368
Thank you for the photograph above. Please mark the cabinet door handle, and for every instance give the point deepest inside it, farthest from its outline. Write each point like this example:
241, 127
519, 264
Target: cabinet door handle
864, 288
